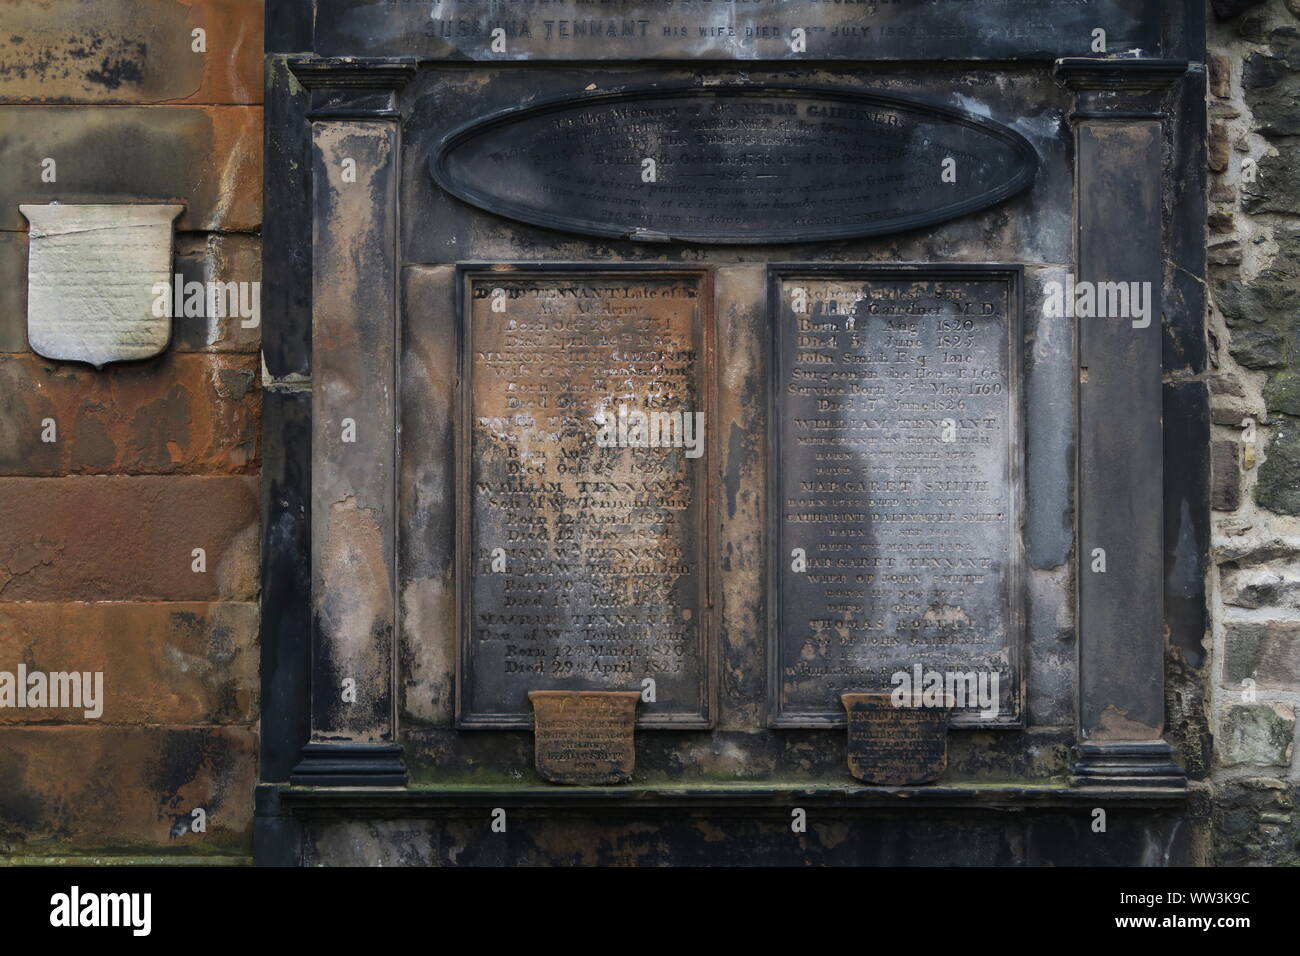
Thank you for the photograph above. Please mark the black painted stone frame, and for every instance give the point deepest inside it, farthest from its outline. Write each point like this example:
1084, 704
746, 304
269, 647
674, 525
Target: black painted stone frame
1143, 411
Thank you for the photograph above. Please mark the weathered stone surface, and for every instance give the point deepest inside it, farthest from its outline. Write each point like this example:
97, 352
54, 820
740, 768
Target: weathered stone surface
170, 663
286, 579
1256, 734
286, 234
584, 737
1225, 487
1224, 252
1225, 385
1185, 436
1269, 586
93, 274
427, 498
1267, 652
91, 538
1049, 374
1255, 822
1278, 487
182, 414
13, 292
219, 258
895, 746
1227, 9
131, 51
1232, 413
1282, 391
68, 789
1221, 222
1218, 146
718, 835
1263, 314
1270, 84
1220, 70
353, 427
1277, 183
207, 157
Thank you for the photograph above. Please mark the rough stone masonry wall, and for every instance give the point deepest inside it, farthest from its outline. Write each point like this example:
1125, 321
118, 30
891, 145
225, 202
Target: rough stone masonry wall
152, 459
1254, 268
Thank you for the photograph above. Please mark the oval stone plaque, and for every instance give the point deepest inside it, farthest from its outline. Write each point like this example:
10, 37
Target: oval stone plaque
733, 164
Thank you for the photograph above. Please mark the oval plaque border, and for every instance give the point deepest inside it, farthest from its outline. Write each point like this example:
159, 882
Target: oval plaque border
1024, 177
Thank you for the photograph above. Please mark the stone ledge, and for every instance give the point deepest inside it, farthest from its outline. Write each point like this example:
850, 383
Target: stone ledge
98, 860
417, 800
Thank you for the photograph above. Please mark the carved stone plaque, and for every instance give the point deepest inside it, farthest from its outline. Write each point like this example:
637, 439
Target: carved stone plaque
94, 276
894, 488
583, 538
895, 746
734, 164
584, 737
734, 29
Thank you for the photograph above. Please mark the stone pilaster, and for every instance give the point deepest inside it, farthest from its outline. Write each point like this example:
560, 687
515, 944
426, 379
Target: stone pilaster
355, 158
1120, 557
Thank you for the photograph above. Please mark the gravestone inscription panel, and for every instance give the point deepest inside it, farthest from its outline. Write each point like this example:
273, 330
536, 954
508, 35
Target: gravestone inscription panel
894, 488
735, 163
583, 501
735, 29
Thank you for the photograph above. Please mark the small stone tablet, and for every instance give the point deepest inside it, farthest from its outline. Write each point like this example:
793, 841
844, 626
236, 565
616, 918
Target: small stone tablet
95, 276
584, 737
895, 746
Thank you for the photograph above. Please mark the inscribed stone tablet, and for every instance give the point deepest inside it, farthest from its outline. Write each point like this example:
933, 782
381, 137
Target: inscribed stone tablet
95, 274
584, 737
895, 746
894, 489
582, 553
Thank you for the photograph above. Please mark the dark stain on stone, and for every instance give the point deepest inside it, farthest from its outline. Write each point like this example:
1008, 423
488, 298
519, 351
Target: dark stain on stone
183, 755
113, 73
735, 449
158, 423
95, 447
234, 382
19, 807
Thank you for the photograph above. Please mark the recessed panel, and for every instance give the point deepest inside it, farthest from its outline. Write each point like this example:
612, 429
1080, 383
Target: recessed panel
894, 489
582, 464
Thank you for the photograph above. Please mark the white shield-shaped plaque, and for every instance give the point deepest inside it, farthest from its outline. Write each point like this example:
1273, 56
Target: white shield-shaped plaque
95, 281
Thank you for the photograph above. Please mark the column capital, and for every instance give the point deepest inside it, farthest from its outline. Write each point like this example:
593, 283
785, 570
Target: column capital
353, 87
1118, 88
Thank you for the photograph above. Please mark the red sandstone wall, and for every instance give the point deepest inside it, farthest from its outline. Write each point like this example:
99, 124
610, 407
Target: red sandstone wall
152, 459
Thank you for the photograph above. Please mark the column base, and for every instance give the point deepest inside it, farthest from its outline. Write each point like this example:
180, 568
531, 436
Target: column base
347, 764
1147, 763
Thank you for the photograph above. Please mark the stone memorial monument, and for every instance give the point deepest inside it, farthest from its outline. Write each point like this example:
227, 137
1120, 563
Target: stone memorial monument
691, 382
